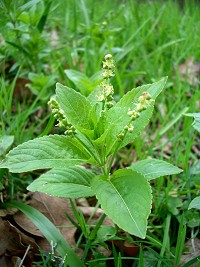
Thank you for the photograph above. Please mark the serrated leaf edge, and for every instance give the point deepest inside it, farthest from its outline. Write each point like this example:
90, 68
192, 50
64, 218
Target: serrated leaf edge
124, 228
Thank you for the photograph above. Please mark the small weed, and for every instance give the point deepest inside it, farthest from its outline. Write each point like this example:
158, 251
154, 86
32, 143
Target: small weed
47, 41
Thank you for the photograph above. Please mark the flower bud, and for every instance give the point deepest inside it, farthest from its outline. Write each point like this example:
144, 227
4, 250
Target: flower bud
108, 56
107, 73
133, 114
130, 128
126, 128
140, 107
120, 136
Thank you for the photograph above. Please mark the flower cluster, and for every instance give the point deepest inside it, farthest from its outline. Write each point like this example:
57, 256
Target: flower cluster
108, 90
143, 103
60, 117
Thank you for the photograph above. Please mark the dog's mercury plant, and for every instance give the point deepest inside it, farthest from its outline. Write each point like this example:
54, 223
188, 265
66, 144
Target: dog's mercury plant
95, 128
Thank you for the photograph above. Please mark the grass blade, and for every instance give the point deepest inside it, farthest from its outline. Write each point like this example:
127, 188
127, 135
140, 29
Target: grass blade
84, 9
141, 257
165, 239
180, 242
173, 121
49, 231
43, 19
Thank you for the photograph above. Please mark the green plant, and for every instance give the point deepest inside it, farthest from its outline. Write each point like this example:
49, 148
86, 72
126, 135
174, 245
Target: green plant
22, 23
95, 128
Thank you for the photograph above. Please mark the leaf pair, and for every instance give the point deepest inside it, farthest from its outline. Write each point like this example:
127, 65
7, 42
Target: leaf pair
125, 196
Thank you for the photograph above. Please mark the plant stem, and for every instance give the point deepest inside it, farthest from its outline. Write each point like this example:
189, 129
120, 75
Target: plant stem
113, 157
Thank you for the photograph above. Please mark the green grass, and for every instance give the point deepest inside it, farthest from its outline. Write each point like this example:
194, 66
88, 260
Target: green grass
147, 39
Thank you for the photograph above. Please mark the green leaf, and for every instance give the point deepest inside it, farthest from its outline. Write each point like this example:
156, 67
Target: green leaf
126, 199
72, 182
20, 48
173, 203
76, 106
40, 82
95, 116
43, 19
28, 5
196, 123
195, 203
6, 142
154, 168
195, 168
81, 81
49, 231
53, 151
113, 124
115, 121
85, 84
131, 97
88, 143
94, 95
153, 89
192, 218
139, 125
106, 232
96, 78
